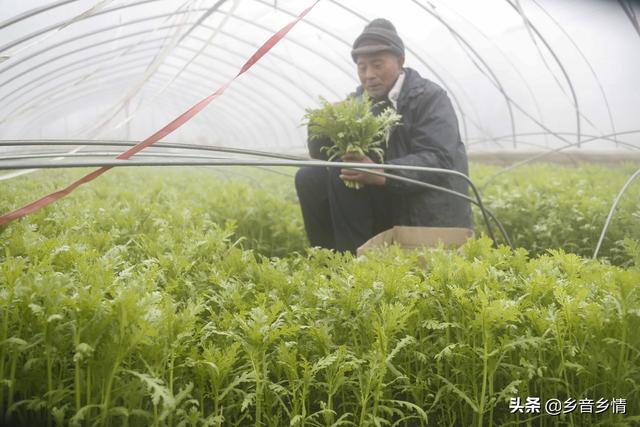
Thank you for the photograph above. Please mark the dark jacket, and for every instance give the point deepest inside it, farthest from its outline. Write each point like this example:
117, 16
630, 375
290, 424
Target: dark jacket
428, 136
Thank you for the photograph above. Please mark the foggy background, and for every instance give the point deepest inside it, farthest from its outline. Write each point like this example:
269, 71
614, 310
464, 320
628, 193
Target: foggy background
522, 74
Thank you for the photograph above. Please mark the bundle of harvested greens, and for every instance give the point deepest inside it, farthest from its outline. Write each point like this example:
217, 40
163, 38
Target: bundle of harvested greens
351, 127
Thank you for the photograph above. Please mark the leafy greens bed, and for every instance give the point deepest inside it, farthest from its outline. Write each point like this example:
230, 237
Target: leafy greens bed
159, 304
548, 206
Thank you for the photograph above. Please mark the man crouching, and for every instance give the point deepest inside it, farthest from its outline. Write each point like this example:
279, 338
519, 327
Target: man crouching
341, 218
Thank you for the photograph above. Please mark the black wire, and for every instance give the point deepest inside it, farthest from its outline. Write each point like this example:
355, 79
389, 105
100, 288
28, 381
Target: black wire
232, 162
119, 143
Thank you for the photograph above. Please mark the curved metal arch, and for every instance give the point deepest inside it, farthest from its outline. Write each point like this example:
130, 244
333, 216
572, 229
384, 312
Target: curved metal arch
495, 78
506, 58
579, 113
522, 109
347, 72
171, 26
159, 145
324, 57
268, 100
25, 105
614, 206
631, 14
82, 61
248, 94
116, 8
138, 3
264, 2
463, 114
259, 111
102, 30
33, 12
268, 68
606, 137
454, 98
108, 154
71, 52
226, 110
538, 156
227, 126
530, 25
285, 93
230, 111
515, 104
584, 57
425, 64
346, 43
52, 27
285, 126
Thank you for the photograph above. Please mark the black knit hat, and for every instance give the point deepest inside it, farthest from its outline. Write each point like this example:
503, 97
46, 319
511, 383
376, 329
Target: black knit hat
378, 36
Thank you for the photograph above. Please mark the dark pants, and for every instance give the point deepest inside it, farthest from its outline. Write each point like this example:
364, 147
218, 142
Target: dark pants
338, 217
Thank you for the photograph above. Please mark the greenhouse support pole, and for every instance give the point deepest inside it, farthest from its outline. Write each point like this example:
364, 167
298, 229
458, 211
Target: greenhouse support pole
166, 130
613, 208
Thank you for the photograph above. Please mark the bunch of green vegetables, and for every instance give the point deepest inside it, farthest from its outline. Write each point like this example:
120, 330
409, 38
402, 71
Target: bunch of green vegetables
352, 127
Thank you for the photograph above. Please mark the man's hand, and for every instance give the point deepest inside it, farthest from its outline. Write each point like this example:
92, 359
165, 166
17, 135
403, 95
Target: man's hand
361, 177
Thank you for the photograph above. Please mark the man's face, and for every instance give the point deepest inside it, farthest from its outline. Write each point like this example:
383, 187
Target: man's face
378, 72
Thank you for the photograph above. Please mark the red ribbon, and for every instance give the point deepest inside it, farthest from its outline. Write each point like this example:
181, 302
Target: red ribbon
169, 128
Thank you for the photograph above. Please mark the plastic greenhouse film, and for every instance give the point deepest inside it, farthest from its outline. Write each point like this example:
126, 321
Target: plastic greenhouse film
166, 130
84, 15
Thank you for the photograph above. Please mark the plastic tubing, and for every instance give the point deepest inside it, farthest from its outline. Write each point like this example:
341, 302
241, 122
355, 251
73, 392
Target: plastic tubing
298, 163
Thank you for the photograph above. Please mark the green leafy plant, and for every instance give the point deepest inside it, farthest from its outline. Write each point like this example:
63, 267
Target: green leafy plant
547, 206
147, 307
352, 127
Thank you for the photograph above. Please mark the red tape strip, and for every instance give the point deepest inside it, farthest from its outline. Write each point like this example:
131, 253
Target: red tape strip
173, 125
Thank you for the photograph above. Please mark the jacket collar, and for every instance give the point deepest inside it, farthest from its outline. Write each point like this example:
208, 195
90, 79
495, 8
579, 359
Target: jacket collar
394, 93
412, 86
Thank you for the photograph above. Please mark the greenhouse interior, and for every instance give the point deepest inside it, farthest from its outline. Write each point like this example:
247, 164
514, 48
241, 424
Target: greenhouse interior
319, 213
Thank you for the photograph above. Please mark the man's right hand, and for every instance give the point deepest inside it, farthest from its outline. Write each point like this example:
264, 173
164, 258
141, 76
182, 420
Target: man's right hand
358, 176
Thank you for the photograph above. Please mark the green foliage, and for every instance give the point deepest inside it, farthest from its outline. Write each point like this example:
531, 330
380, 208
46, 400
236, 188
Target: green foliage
128, 303
144, 205
352, 127
549, 206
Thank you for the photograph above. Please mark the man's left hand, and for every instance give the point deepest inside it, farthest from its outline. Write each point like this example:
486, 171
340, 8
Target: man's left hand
361, 177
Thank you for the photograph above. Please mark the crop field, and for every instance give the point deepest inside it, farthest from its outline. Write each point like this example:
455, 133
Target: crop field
179, 297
